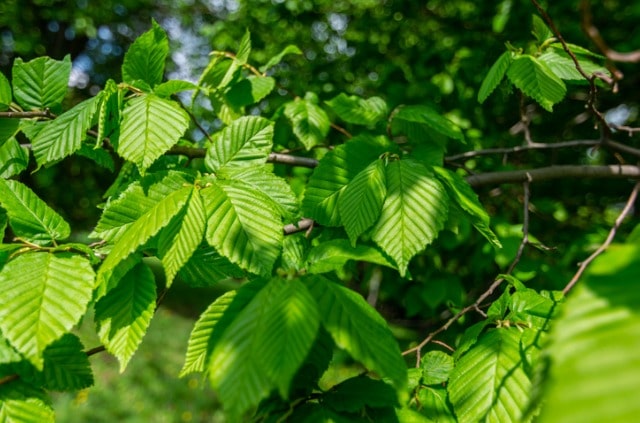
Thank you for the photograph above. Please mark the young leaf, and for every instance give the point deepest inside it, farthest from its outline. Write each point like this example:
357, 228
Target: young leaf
41, 83
535, 79
63, 136
29, 216
249, 91
290, 49
244, 49
21, 402
13, 159
416, 120
594, 372
309, 122
540, 30
145, 58
563, 66
5, 93
333, 255
168, 88
359, 111
124, 314
353, 324
335, 171
437, 367
413, 213
243, 225
494, 76
464, 196
41, 297
361, 202
150, 126
182, 236
246, 142
488, 382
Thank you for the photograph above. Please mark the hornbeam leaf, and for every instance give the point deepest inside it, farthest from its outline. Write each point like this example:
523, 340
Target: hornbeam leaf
63, 136
5, 93
563, 66
150, 126
494, 76
29, 216
353, 324
20, 402
418, 122
535, 79
145, 58
334, 254
13, 159
249, 91
41, 83
41, 297
413, 213
310, 123
290, 49
246, 142
66, 365
124, 314
243, 225
361, 202
489, 382
206, 268
335, 171
359, 111
182, 236
8, 129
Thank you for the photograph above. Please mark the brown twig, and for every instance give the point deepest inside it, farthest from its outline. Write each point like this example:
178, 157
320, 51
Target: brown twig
612, 233
46, 113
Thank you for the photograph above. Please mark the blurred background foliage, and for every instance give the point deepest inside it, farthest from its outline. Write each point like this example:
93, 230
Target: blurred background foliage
433, 52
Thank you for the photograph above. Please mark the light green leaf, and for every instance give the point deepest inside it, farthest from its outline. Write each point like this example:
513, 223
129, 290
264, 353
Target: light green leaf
333, 255
246, 142
353, 324
243, 225
249, 91
109, 114
437, 367
8, 129
357, 110
563, 66
41, 83
594, 373
150, 126
494, 76
290, 49
406, 118
213, 322
41, 297
29, 216
124, 314
146, 226
535, 79
20, 402
578, 50
489, 382
145, 58
309, 122
336, 169
168, 88
63, 136
206, 268
244, 49
361, 202
413, 213
182, 236
540, 30
5, 93
66, 365
467, 199
435, 405
13, 159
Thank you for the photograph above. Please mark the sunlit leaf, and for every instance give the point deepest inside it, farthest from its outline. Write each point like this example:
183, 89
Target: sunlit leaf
40, 83
274, 60
146, 56
309, 122
14, 159
360, 111
534, 78
334, 254
206, 267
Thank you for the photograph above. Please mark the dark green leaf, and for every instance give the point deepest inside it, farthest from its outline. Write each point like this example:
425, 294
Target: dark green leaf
13, 159
425, 118
5, 93
249, 91
356, 393
333, 255
535, 79
494, 76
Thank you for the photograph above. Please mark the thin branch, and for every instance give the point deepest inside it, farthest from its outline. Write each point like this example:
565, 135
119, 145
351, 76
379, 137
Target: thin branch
46, 113
525, 225
292, 160
526, 147
612, 233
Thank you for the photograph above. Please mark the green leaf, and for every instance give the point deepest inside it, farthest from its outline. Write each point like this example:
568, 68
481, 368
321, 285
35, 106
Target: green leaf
5, 93
540, 30
213, 322
353, 324
99, 156
146, 226
13, 159
309, 122
41, 83
594, 373
413, 213
466, 198
182, 236
243, 225
494, 76
356, 393
535, 79
150, 126
8, 129
124, 314
332, 255
437, 366
434, 403
168, 88
264, 346
66, 365
488, 382
22, 403
290, 49
63, 136
563, 66
246, 142
249, 91
109, 114
354, 109
336, 169
145, 58
244, 49
29, 216
361, 202
414, 120
577, 50
206, 268
41, 297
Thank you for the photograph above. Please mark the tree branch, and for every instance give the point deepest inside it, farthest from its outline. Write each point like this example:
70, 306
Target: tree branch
28, 115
